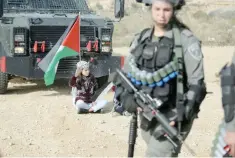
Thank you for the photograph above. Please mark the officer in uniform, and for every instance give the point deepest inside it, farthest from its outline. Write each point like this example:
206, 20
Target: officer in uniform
166, 62
228, 101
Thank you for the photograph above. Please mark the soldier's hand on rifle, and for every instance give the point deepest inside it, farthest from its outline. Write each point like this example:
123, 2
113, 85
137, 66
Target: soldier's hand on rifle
191, 111
172, 123
124, 96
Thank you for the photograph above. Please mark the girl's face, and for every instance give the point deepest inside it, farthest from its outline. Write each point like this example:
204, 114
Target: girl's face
162, 12
85, 72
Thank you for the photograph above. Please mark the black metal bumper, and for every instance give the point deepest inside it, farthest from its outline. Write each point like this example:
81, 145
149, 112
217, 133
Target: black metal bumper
27, 67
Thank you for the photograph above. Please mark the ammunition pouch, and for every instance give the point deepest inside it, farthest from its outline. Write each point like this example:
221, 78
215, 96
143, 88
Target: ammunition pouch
151, 56
155, 57
165, 52
228, 92
162, 92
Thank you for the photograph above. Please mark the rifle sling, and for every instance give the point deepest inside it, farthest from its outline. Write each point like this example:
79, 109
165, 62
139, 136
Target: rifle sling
178, 58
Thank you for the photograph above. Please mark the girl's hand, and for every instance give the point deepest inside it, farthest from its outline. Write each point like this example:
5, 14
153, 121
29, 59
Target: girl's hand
76, 73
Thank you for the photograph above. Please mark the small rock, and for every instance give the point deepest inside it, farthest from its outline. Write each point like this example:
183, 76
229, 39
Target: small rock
11, 144
102, 122
9, 137
30, 143
104, 147
67, 129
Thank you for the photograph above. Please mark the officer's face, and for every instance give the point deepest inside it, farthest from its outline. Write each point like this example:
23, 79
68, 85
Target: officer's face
162, 12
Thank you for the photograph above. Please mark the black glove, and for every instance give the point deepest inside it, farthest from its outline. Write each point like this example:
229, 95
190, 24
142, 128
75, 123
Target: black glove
191, 111
128, 101
193, 106
124, 96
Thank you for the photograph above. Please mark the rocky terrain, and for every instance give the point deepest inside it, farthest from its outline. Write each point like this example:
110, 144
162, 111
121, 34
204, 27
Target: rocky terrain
212, 26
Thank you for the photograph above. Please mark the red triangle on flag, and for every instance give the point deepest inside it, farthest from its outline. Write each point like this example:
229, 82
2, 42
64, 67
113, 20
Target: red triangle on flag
72, 40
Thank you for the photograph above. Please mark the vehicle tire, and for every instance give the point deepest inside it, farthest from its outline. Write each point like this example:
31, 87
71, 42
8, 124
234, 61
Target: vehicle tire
102, 80
3, 82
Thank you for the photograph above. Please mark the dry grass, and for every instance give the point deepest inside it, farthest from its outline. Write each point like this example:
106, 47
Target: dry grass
211, 31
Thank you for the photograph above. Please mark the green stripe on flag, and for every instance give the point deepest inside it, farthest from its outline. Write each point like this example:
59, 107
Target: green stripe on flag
50, 73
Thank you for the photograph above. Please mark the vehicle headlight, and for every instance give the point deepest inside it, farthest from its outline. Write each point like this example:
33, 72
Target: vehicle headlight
106, 48
19, 38
19, 50
106, 38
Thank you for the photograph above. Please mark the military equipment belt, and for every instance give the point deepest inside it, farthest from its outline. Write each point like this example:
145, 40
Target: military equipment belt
157, 78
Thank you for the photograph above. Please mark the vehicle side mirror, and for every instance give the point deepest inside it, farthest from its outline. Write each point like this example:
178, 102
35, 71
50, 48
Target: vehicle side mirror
1, 8
119, 8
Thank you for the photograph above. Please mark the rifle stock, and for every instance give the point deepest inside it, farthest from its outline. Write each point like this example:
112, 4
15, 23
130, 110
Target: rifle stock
132, 135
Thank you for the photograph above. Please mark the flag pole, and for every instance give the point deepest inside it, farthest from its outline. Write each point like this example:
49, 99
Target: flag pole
79, 34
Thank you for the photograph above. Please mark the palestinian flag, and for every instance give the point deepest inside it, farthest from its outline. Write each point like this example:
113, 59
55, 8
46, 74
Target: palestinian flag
68, 45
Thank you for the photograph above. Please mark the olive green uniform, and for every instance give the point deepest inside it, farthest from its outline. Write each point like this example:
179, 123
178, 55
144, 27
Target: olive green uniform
193, 62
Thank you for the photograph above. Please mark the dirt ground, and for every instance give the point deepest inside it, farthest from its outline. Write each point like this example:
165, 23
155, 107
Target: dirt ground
39, 121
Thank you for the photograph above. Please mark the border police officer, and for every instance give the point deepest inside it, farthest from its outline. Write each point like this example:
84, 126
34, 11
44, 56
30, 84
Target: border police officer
166, 62
228, 101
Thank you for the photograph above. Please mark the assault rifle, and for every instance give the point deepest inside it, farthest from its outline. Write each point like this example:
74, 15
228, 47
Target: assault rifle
147, 103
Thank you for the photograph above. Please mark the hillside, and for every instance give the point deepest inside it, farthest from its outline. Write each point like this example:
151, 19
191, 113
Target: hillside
210, 30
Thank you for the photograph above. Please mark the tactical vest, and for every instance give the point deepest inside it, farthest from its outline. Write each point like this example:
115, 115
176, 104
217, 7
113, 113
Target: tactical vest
154, 69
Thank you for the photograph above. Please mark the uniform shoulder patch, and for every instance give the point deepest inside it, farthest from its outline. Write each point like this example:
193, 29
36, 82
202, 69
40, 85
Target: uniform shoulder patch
195, 51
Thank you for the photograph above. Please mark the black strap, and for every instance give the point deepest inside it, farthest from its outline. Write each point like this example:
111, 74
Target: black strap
178, 50
142, 33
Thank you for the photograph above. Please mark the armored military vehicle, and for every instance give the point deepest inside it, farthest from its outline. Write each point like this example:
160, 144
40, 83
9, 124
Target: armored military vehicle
30, 28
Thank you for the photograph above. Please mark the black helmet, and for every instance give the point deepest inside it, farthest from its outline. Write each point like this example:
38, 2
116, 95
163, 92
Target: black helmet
177, 3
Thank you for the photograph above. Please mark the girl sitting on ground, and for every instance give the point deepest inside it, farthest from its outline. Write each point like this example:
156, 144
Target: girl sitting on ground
84, 85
